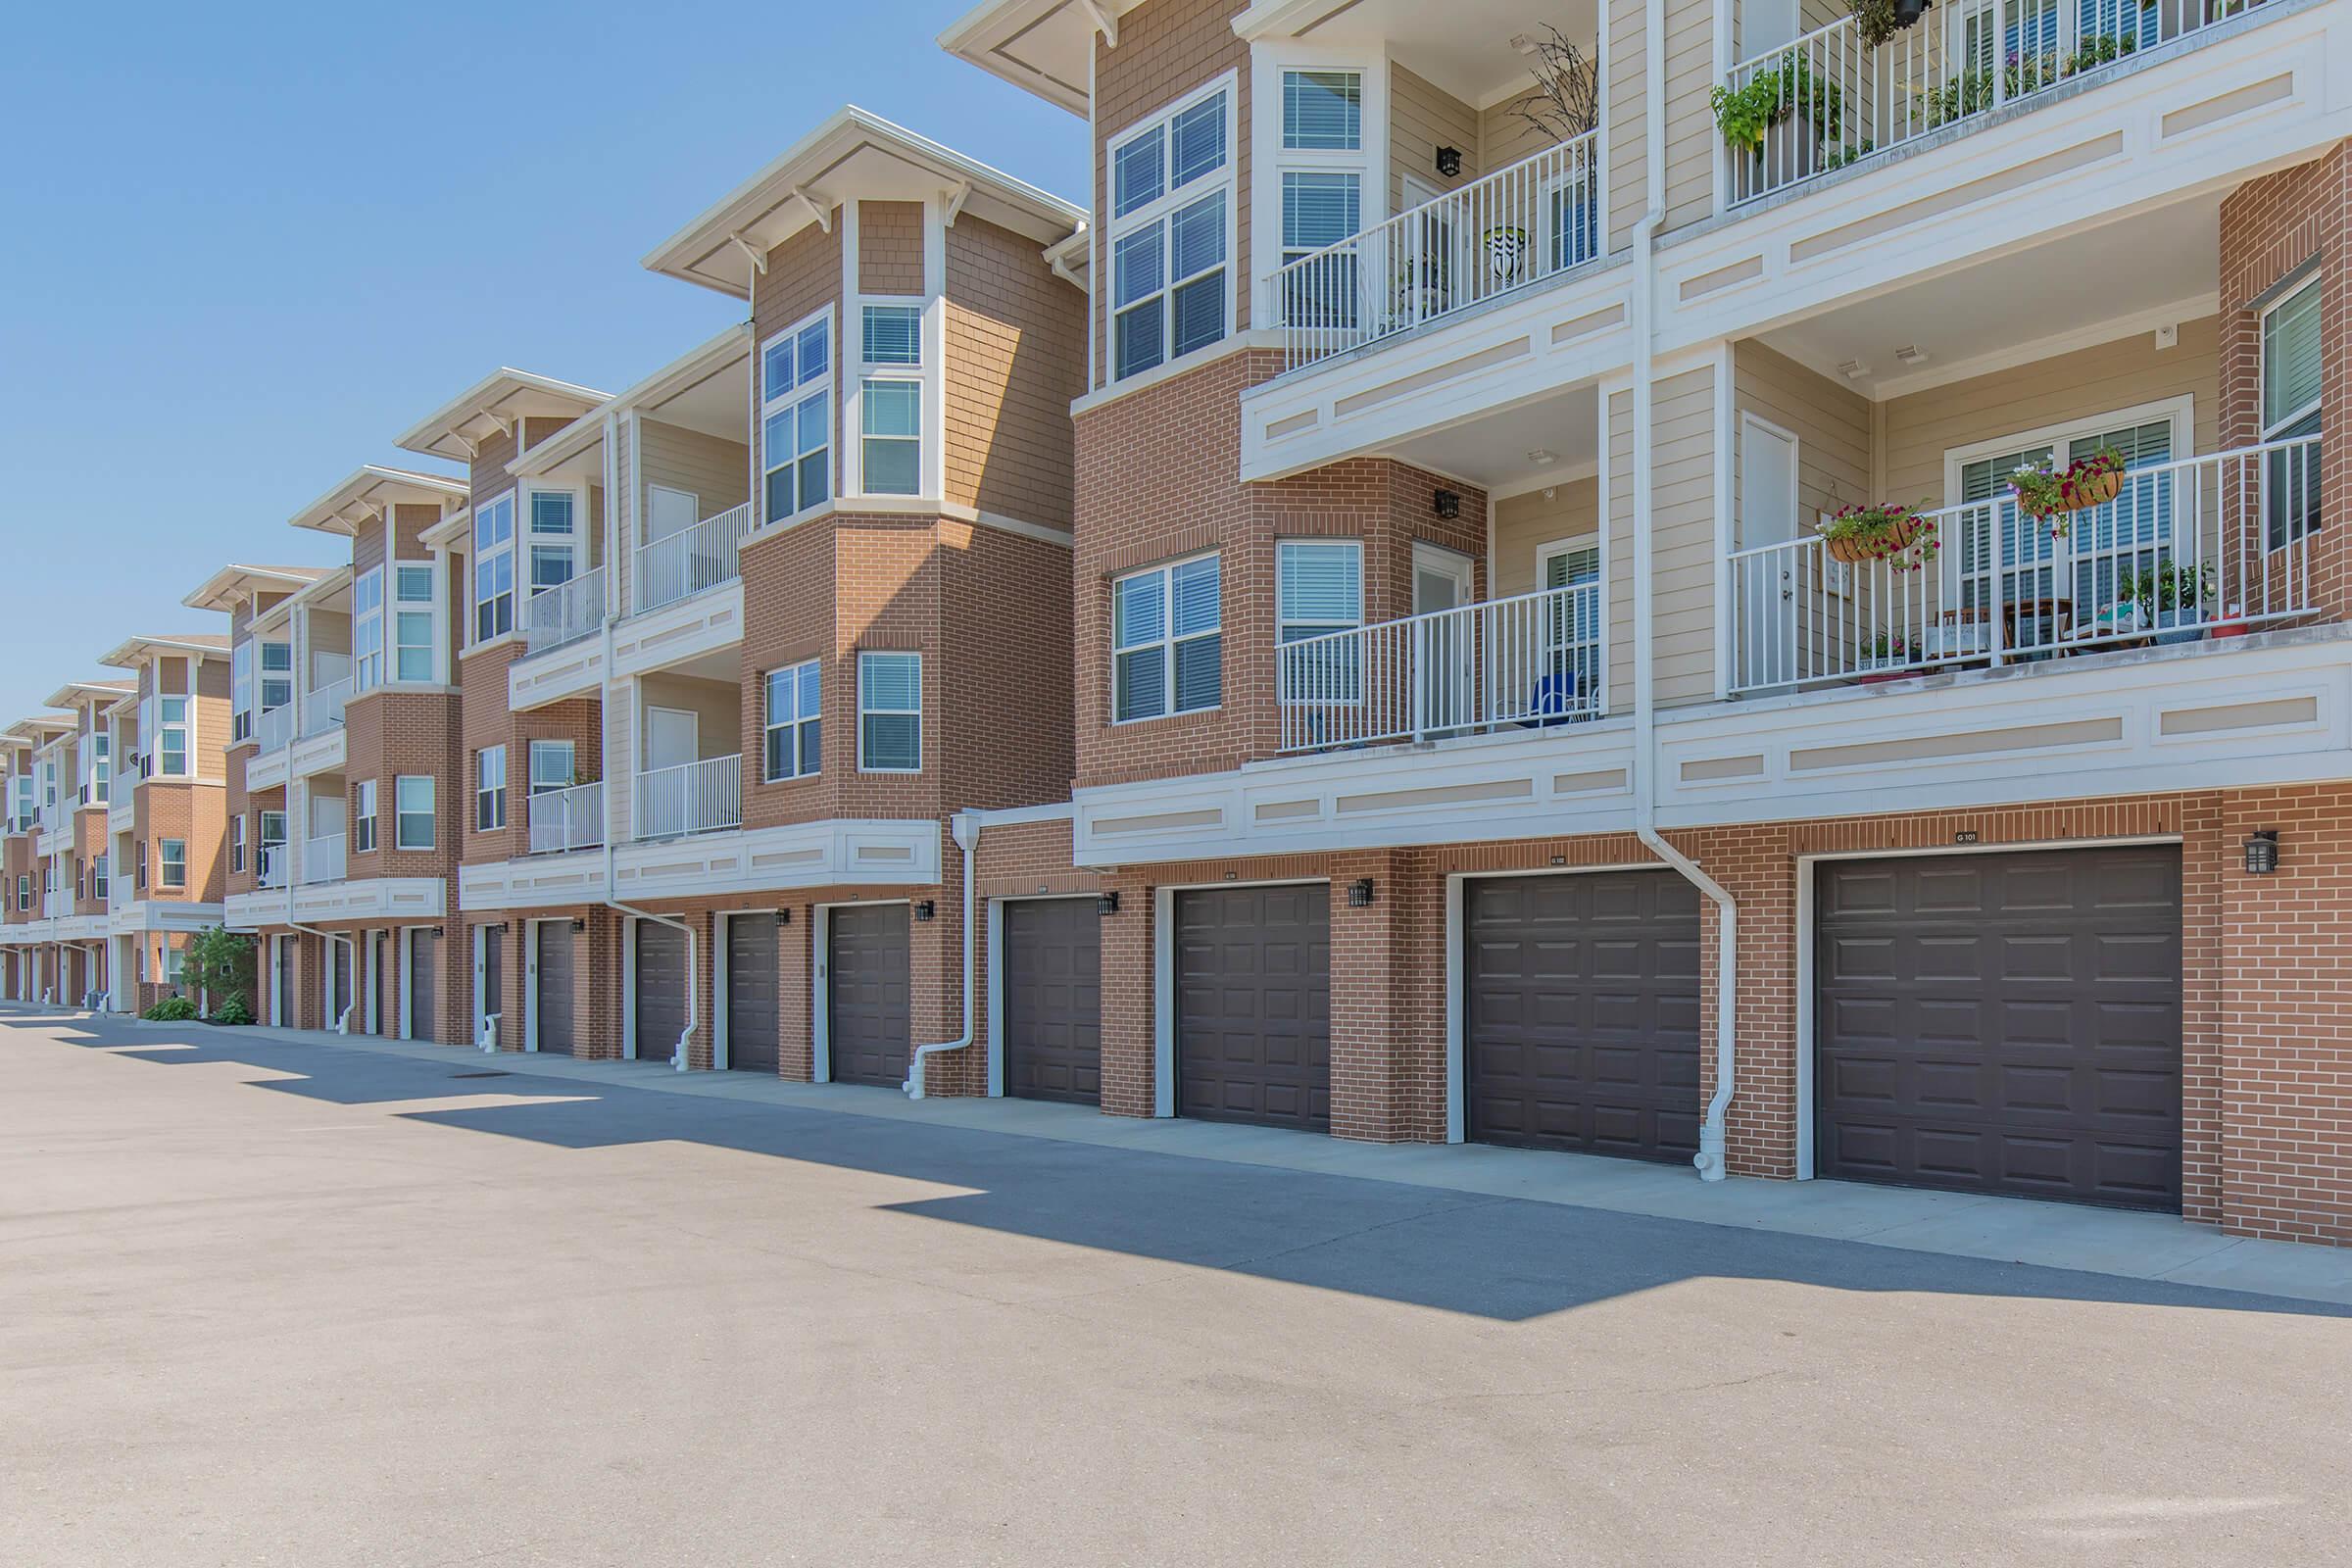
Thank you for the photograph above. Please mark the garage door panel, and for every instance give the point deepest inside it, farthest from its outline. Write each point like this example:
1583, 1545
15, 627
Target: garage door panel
870, 985
1053, 1008
554, 963
755, 1033
660, 990
1254, 1005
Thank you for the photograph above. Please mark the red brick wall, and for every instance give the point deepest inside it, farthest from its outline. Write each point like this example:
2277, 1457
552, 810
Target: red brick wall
388, 734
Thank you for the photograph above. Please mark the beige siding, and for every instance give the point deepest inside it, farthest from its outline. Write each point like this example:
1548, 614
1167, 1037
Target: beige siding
1506, 139
1623, 61
1684, 548
1830, 423
1422, 119
717, 710
624, 523
1524, 523
621, 762
2078, 386
715, 471
1692, 141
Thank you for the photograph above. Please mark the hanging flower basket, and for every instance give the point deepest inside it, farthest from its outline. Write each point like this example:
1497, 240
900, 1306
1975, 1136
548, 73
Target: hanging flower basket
2049, 494
1898, 534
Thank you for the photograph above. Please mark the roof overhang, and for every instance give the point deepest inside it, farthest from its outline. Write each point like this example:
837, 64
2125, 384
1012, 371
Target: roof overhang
74, 693
708, 388
1040, 46
853, 156
450, 532
225, 590
490, 406
39, 729
134, 654
363, 496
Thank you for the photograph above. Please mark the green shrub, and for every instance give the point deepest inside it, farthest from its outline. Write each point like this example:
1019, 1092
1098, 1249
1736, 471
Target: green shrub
172, 1009
232, 1011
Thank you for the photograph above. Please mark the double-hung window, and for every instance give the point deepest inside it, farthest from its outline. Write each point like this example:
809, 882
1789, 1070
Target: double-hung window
363, 816
98, 881
171, 862
2291, 381
412, 812
102, 768
236, 842
1322, 193
172, 736
368, 630
273, 862
551, 766
277, 674
890, 713
1171, 204
1168, 641
555, 539
411, 623
794, 720
23, 891
1318, 589
890, 400
240, 692
494, 569
490, 789
795, 419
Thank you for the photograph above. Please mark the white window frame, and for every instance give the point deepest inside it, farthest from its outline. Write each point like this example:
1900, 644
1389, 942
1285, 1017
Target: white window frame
1270, 159
865, 707
164, 862
1349, 160
1283, 619
237, 843
403, 812
368, 631
99, 881
240, 691
400, 608
801, 725
915, 376
2274, 430
102, 766
529, 541
166, 727
1167, 639
362, 817
818, 390
265, 676
490, 799
479, 557
1157, 213
538, 749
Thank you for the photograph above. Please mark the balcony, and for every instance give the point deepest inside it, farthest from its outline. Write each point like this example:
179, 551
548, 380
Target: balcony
322, 859
1532, 661
1827, 100
556, 617
273, 731
275, 865
322, 706
690, 561
704, 797
2209, 547
1523, 223
567, 819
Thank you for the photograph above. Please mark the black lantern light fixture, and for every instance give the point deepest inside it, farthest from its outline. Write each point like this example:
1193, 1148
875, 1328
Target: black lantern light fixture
1449, 162
579, 924
1449, 504
1359, 892
1107, 903
924, 909
2262, 852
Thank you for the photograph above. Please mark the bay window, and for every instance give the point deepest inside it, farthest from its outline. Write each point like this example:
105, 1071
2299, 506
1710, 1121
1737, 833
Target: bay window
368, 630
794, 720
172, 736
890, 713
1168, 641
240, 692
1170, 234
363, 816
554, 541
795, 419
412, 812
1322, 184
891, 416
490, 789
494, 569
171, 862
412, 624
2293, 375
277, 674
552, 766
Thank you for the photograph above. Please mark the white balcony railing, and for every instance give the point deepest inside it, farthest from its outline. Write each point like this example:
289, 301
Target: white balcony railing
567, 819
322, 859
322, 706
1530, 662
275, 860
563, 614
1518, 225
1828, 99
689, 560
2205, 547
273, 731
692, 798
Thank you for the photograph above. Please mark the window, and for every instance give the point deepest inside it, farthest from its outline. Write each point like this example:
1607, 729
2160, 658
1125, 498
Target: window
794, 719
554, 542
795, 412
171, 862
413, 813
368, 630
1322, 192
277, 674
240, 692
2291, 379
494, 569
412, 624
274, 837
363, 816
490, 789
1167, 646
102, 771
1168, 238
894, 334
1319, 587
892, 413
174, 963
890, 713
1322, 110
551, 765
172, 742
236, 842
23, 891
98, 883
1318, 209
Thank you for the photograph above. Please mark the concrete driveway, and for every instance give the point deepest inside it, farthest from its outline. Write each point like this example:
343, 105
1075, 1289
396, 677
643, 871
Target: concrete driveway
266, 1301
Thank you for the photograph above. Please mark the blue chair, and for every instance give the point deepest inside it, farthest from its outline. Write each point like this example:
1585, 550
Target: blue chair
1553, 700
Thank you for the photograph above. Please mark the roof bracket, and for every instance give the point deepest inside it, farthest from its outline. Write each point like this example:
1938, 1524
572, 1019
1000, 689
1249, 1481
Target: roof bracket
751, 253
1104, 23
956, 199
820, 211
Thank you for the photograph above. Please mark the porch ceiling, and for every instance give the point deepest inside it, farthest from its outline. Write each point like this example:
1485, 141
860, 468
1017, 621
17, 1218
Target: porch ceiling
1552, 438
2085, 285
1465, 46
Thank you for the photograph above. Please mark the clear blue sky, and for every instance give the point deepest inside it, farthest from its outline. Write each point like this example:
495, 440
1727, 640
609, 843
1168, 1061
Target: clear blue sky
241, 249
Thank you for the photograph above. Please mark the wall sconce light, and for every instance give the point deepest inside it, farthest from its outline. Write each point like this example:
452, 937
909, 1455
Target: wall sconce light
924, 909
1449, 161
1107, 903
1447, 502
2262, 852
439, 933
1359, 892
579, 924
783, 917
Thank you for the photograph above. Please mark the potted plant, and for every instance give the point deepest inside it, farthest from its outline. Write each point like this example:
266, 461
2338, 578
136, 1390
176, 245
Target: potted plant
1788, 106
2048, 494
2168, 596
1877, 20
1887, 532
1883, 660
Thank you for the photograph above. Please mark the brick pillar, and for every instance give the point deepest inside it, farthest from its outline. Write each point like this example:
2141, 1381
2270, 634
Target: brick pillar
701, 1048
309, 957
596, 972
1375, 1043
1129, 1076
513, 981
937, 959
796, 1045
1757, 867
453, 986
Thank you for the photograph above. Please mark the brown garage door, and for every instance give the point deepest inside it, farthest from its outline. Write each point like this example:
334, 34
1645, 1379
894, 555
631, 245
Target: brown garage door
1053, 1001
868, 1026
660, 990
424, 967
1253, 1005
555, 938
752, 1033
2002, 1023
1580, 1028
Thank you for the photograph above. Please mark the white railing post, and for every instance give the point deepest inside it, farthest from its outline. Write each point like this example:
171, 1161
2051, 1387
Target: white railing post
688, 561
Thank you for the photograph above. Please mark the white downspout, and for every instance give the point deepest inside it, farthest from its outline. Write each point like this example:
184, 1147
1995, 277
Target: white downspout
1711, 1141
964, 827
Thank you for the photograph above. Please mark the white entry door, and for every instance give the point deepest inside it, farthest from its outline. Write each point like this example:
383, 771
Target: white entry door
1770, 584
668, 512
672, 736
1442, 581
